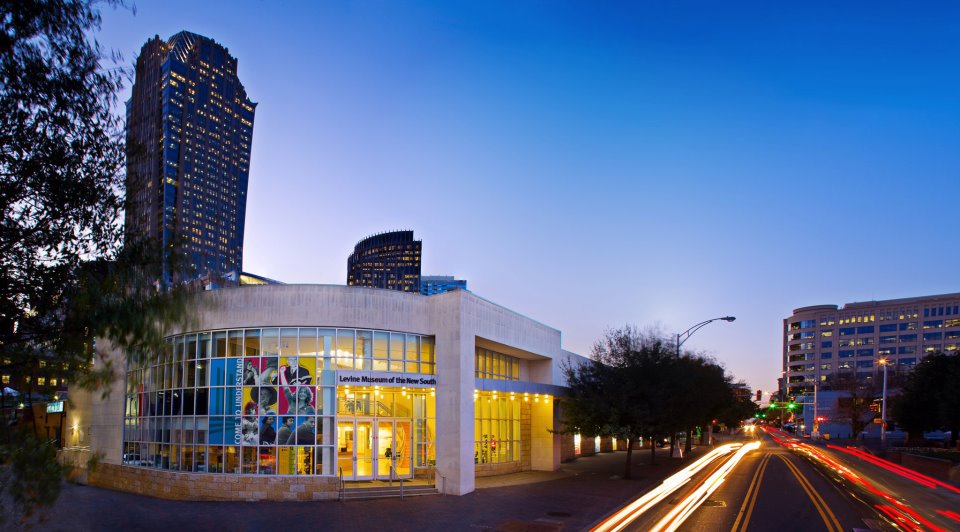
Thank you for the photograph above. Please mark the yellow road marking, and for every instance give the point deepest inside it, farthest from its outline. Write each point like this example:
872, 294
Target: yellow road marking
829, 519
750, 501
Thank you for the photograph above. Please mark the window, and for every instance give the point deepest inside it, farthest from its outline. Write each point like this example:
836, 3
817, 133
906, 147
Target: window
865, 330
496, 426
861, 364
906, 350
827, 354
493, 365
826, 367
847, 331
848, 353
910, 326
933, 324
908, 338
826, 344
891, 339
220, 401
886, 351
890, 327
907, 362
826, 334
864, 352
932, 336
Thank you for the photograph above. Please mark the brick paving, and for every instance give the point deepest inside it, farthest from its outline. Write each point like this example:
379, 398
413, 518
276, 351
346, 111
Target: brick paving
573, 498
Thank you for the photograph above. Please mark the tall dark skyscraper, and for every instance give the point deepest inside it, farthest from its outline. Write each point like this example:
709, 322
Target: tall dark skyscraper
189, 134
388, 260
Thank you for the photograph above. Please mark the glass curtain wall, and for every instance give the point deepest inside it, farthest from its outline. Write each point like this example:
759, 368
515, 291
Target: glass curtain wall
251, 401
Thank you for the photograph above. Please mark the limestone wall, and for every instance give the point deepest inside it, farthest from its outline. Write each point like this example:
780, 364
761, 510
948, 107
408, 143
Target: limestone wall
210, 487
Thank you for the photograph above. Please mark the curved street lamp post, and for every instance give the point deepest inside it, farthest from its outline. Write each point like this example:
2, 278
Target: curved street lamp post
681, 339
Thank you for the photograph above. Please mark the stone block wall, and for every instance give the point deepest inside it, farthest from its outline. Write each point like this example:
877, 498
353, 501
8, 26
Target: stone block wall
211, 487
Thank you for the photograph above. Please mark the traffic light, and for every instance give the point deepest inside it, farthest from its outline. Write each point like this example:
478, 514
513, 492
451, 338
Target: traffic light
791, 406
772, 404
759, 395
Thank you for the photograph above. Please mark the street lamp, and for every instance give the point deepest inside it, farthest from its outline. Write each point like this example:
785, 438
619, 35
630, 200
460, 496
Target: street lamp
884, 362
685, 335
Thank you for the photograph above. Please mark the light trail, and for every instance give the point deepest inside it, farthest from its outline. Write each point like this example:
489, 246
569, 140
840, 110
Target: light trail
629, 513
694, 499
904, 472
898, 512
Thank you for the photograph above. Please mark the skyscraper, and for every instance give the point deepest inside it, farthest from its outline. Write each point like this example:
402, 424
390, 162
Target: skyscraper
189, 134
388, 260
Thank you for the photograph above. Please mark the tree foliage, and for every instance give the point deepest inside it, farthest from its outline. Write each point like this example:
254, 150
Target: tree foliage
635, 386
66, 277
930, 397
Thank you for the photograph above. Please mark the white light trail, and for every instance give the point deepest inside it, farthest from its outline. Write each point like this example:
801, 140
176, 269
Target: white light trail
635, 509
692, 501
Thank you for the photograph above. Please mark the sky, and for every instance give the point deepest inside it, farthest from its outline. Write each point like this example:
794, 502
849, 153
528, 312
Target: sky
591, 164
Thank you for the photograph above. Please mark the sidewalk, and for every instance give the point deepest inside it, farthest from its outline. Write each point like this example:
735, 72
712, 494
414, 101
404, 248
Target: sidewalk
572, 498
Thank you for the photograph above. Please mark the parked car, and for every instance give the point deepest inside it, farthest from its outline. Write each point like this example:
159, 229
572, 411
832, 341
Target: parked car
894, 436
941, 435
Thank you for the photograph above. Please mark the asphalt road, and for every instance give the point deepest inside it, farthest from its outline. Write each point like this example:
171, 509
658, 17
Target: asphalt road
769, 489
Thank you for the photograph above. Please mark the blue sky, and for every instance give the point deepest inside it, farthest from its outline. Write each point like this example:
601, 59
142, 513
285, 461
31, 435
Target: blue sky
591, 164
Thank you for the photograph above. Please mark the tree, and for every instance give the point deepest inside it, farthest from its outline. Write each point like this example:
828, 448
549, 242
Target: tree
65, 275
703, 392
622, 391
930, 398
634, 385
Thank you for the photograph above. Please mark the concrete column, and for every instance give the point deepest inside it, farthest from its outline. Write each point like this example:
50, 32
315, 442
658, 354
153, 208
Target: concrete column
455, 375
545, 455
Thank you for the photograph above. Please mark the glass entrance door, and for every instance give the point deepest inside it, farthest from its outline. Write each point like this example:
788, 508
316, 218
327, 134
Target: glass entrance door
365, 458
367, 448
386, 452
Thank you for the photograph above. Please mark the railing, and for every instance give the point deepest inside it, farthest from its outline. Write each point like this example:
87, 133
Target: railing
341, 487
443, 483
393, 472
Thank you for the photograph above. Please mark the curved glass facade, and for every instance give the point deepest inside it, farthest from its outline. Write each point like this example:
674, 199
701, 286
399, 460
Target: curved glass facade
264, 400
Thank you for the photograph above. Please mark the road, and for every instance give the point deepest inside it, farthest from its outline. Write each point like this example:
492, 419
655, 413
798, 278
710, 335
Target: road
771, 488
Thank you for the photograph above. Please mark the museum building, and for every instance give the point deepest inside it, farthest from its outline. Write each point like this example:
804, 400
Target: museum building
287, 392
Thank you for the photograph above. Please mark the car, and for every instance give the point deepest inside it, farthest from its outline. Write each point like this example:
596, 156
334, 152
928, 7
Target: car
941, 435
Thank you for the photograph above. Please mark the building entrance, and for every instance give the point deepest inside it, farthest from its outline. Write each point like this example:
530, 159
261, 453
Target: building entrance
370, 448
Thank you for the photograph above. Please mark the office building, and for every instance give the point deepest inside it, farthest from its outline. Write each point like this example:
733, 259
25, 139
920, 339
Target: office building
279, 392
189, 135
387, 260
438, 284
824, 340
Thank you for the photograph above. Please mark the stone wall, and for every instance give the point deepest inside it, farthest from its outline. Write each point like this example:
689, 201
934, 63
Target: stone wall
210, 487
490, 470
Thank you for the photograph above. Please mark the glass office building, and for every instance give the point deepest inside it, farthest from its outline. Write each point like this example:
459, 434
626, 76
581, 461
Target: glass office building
387, 260
826, 340
189, 136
